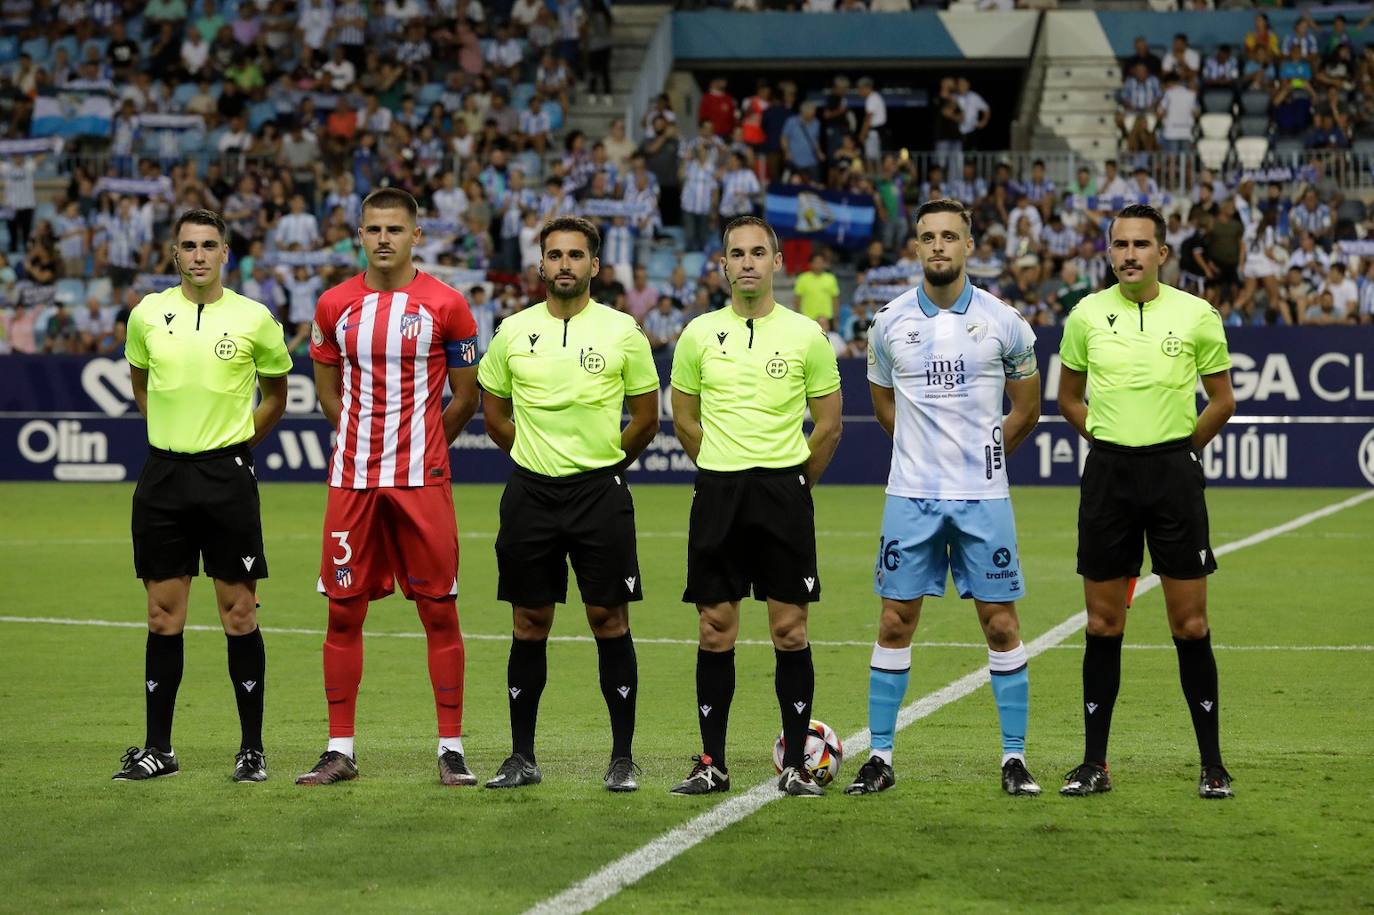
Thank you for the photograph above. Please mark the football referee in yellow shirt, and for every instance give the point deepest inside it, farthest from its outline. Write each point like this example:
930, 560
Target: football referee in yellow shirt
555, 379
743, 378
196, 352
1142, 345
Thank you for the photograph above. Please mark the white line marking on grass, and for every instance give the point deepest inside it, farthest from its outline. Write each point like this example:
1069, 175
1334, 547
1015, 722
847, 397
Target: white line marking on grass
632, 867
753, 643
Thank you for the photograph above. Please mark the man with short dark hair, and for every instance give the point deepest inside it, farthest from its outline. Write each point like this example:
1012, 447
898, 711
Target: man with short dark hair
196, 351
1143, 345
743, 379
384, 344
556, 379
941, 357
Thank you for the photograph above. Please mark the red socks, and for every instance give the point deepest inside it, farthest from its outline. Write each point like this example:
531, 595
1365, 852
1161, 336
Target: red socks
343, 662
446, 660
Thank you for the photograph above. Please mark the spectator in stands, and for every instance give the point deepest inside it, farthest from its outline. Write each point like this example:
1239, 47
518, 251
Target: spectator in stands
836, 120
1178, 111
1323, 310
95, 327
1137, 99
718, 107
1310, 258
1143, 56
663, 325
873, 128
700, 196
948, 131
1181, 61
598, 44
1303, 40
18, 174
1345, 295
740, 191
1224, 250
1262, 39
1221, 70
974, 114
1071, 290
1260, 70
1312, 217
1263, 257
817, 291
801, 143
642, 294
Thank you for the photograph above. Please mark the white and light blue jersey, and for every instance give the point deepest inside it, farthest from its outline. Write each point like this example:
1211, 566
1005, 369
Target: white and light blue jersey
948, 368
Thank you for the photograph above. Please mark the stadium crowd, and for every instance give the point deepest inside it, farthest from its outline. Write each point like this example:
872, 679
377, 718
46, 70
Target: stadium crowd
463, 106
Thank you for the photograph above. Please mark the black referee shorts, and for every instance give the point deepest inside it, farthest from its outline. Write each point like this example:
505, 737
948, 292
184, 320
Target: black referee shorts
588, 518
191, 505
1154, 493
753, 528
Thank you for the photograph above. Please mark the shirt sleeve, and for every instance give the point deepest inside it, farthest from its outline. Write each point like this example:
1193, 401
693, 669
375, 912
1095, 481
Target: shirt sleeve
270, 355
1018, 353
324, 348
136, 340
822, 368
459, 334
686, 375
1209, 344
1073, 346
640, 374
879, 359
493, 372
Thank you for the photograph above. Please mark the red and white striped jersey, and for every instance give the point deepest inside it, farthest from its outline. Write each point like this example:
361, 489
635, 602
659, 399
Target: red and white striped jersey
394, 350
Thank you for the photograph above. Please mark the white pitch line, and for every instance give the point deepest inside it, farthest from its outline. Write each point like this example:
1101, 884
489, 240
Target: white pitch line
752, 643
634, 866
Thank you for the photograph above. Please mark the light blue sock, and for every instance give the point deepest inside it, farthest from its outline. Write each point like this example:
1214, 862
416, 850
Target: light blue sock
890, 670
1011, 691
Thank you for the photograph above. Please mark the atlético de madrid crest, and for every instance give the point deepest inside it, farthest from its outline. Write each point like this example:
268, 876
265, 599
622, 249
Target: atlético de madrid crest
410, 326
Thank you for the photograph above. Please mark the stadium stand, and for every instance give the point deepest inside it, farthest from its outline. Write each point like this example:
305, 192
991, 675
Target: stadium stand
116, 116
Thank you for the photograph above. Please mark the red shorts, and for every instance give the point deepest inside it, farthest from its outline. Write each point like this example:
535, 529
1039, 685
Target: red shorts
376, 537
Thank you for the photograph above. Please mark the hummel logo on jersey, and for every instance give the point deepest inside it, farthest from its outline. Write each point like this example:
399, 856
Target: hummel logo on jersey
1092, 707
151, 684
248, 563
809, 582
799, 706
706, 711
913, 336
1111, 320
515, 692
168, 316
249, 684
720, 338
630, 582
624, 691
1206, 705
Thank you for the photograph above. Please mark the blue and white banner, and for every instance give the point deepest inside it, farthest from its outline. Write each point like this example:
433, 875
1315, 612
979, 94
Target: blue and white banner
157, 121
79, 109
309, 259
1305, 417
1099, 203
31, 147
606, 208
836, 218
139, 187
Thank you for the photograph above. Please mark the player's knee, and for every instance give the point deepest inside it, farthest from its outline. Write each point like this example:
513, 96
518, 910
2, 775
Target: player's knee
789, 635
1003, 631
164, 620
1104, 624
608, 622
240, 617
531, 626
716, 634
1191, 628
896, 623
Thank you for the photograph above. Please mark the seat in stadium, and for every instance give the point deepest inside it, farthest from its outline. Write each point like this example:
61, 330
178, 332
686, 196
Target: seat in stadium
1351, 210
1213, 152
260, 113
182, 95
693, 263
1215, 125
676, 233
71, 292
555, 111
1288, 149
661, 264
1254, 101
429, 94
1363, 151
1254, 125
36, 48
1251, 151
68, 44
191, 142
102, 288
1218, 101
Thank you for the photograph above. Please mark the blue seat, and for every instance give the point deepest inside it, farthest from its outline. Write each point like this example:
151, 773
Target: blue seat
67, 43
36, 48
260, 113
429, 94
102, 288
9, 49
661, 264
555, 111
191, 142
694, 264
71, 291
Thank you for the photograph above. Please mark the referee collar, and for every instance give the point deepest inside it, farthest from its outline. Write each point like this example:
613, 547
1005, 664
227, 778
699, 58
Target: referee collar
930, 309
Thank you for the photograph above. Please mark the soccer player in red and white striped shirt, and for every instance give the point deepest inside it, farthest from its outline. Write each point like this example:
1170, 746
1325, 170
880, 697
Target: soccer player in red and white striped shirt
383, 344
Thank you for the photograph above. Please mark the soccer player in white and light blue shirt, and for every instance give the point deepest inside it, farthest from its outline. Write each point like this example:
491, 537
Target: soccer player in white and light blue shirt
940, 358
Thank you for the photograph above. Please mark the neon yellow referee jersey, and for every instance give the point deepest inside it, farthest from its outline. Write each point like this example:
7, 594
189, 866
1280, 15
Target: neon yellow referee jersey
567, 381
203, 362
1143, 362
754, 377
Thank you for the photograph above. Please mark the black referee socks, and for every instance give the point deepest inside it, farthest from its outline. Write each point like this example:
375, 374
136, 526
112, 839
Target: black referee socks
1101, 681
795, 681
715, 691
1197, 670
164, 659
526, 673
619, 670
248, 670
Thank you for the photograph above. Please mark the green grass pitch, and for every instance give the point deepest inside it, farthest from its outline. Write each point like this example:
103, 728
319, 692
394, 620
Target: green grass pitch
1296, 732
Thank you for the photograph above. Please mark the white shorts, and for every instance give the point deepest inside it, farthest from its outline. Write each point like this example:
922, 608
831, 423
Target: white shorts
1259, 267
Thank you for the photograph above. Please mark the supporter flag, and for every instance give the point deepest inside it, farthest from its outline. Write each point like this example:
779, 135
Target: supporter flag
82, 108
836, 218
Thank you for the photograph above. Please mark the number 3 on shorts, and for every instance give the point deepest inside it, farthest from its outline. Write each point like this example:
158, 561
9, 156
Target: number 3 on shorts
342, 537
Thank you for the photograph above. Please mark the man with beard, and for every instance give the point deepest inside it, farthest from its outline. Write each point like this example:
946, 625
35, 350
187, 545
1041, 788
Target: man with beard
555, 379
940, 359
